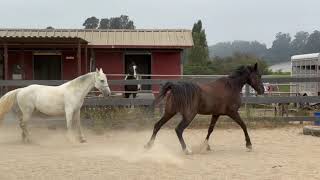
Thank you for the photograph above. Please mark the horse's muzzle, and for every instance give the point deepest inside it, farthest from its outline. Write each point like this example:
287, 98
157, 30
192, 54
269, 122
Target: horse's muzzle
105, 92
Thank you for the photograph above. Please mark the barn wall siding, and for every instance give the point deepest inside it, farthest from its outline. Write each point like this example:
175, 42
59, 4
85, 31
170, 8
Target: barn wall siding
28, 65
165, 63
69, 66
12, 60
111, 63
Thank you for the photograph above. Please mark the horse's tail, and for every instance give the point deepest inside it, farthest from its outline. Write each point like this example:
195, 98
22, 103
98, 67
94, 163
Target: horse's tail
183, 94
163, 91
7, 101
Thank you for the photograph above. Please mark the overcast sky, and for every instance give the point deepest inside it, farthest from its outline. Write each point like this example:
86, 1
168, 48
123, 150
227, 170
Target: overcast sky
223, 20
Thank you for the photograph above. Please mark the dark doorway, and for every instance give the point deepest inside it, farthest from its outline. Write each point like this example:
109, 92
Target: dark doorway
47, 67
143, 62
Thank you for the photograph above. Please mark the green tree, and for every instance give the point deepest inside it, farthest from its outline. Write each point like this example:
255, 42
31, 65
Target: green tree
313, 44
225, 49
281, 49
299, 42
49, 27
91, 23
121, 22
199, 53
104, 23
221, 66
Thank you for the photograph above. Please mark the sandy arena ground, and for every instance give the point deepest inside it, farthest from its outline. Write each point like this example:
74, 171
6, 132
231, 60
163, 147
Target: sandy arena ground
278, 154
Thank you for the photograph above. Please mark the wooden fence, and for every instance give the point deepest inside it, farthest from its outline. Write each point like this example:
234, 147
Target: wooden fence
246, 99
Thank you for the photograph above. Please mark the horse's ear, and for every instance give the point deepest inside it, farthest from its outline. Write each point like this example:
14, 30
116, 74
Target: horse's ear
101, 71
97, 70
255, 67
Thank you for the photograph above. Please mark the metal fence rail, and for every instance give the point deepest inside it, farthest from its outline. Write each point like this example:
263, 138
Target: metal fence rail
158, 81
101, 101
161, 79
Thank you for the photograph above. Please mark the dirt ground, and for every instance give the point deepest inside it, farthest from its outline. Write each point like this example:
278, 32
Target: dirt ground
282, 153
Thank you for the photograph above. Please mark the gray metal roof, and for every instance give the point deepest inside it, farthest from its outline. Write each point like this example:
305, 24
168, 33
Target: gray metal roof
137, 37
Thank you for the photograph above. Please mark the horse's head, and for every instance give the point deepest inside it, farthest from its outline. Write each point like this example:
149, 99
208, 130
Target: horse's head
255, 79
101, 82
133, 69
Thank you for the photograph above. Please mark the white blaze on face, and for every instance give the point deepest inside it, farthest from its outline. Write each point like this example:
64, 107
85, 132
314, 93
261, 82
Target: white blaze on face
135, 71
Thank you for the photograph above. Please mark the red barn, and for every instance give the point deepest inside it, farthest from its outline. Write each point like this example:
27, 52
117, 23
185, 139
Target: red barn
56, 54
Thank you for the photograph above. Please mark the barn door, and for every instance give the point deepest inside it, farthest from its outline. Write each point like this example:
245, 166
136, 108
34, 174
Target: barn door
143, 62
47, 67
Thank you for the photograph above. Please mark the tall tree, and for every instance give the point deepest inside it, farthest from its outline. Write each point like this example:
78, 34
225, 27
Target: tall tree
225, 65
280, 50
91, 23
199, 53
104, 23
121, 22
313, 44
225, 49
299, 42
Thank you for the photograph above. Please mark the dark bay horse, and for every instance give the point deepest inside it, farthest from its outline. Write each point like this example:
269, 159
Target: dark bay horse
220, 97
132, 75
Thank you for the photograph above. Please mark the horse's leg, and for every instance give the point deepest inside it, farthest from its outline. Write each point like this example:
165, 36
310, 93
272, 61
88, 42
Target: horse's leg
214, 119
24, 118
127, 95
69, 117
24, 111
78, 121
236, 117
134, 95
165, 118
180, 128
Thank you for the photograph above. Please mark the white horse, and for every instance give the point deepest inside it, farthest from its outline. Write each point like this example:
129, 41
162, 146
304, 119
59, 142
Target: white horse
65, 99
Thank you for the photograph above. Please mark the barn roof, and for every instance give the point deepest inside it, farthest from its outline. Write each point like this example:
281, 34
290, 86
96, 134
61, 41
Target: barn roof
109, 38
306, 56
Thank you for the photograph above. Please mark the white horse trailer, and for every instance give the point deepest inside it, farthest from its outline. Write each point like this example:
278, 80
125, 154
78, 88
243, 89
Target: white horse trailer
306, 65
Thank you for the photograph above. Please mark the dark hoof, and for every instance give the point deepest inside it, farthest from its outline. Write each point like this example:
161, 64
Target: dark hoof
148, 145
209, 148
249, 147
187, 152
83, 141
26, 141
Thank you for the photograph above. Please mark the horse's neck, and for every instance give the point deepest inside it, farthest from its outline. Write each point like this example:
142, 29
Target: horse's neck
83, 84
238, 82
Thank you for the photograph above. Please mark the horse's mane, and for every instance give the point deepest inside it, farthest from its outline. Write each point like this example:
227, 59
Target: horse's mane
81, 79
240, 71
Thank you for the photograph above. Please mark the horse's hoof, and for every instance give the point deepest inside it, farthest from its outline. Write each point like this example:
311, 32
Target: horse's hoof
187, 151
205, 146
26, 141
83, 140
249, 147
208, 148
148, 146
